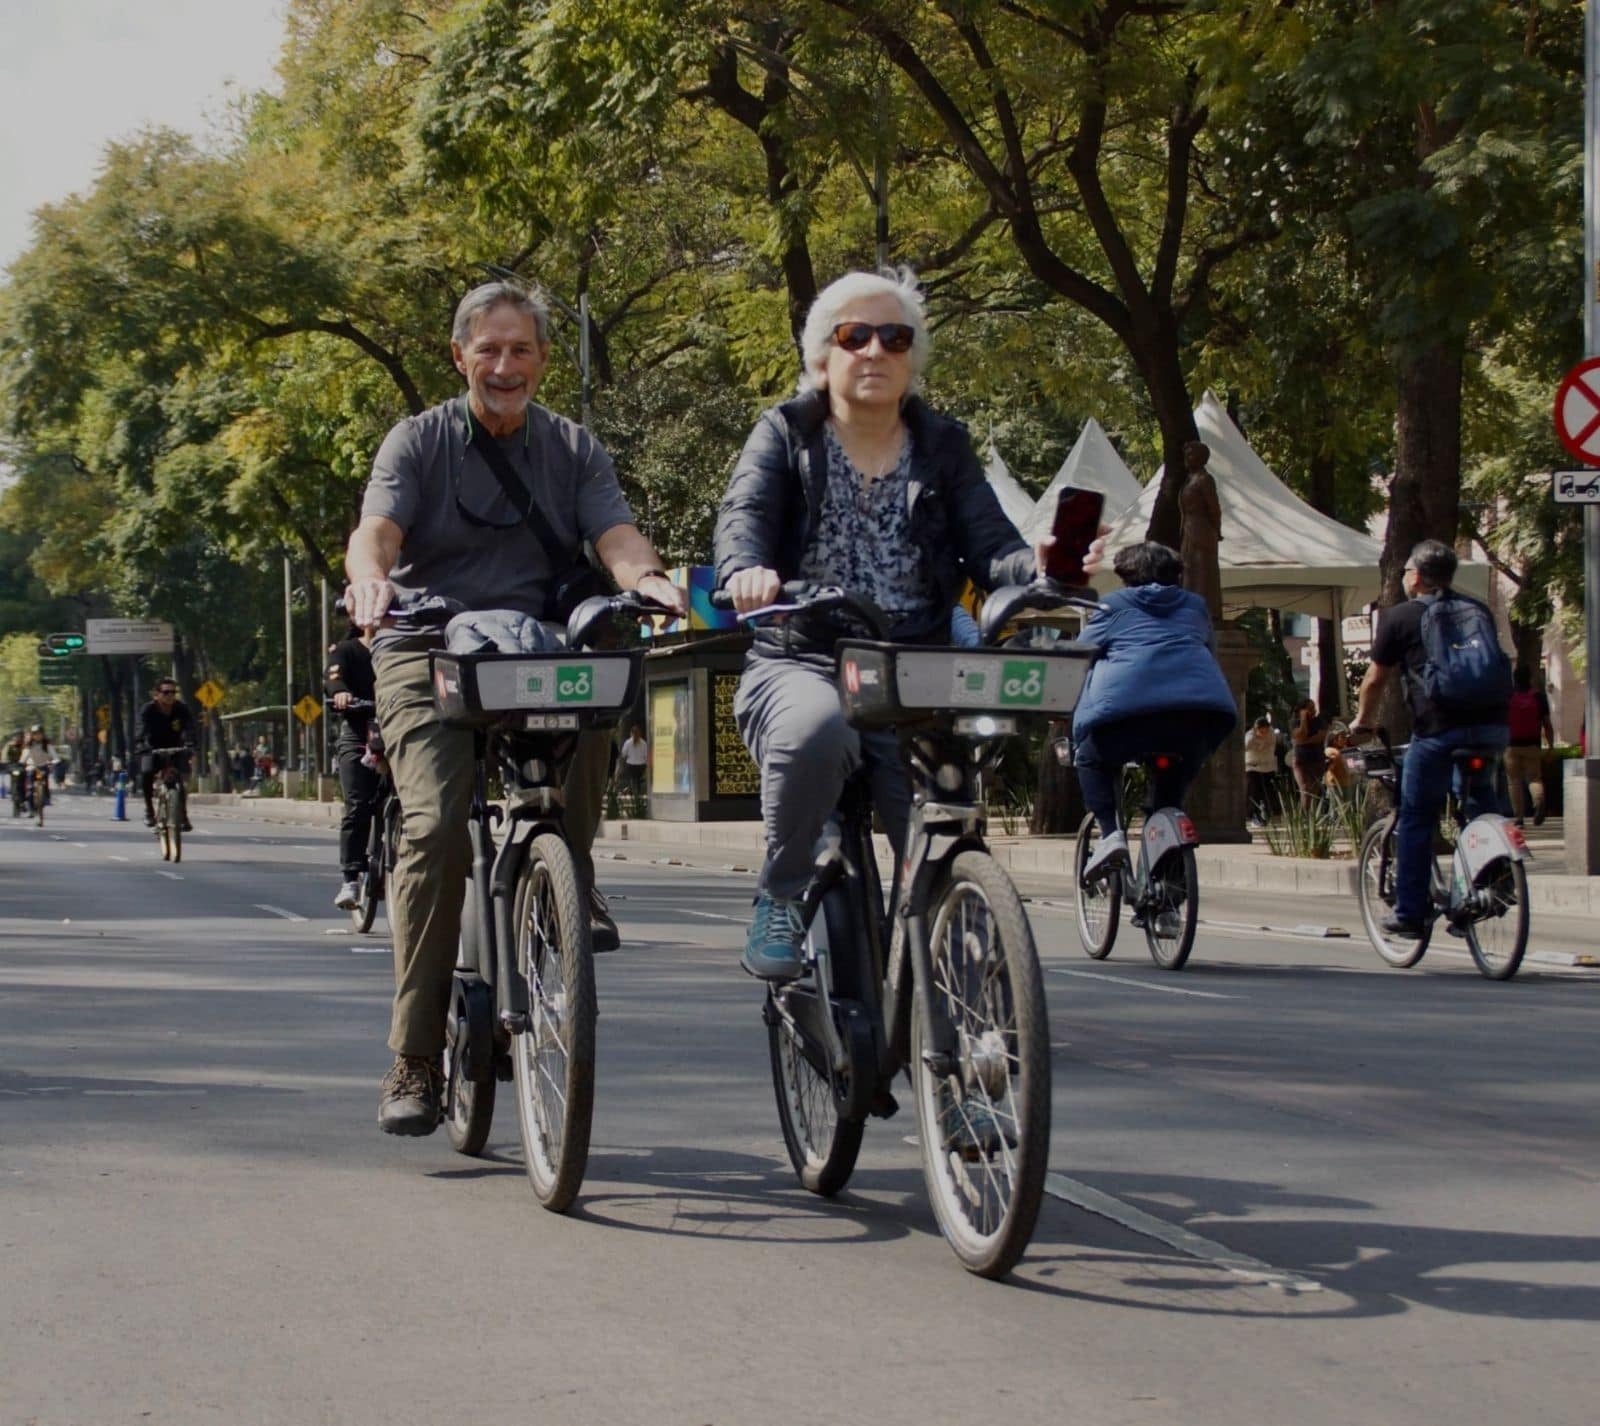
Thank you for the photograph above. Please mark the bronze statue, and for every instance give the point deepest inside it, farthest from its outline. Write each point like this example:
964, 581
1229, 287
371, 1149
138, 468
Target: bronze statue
1202, 528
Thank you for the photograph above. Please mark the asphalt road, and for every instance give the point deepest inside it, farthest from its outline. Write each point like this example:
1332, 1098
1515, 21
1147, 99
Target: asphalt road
1288, 1184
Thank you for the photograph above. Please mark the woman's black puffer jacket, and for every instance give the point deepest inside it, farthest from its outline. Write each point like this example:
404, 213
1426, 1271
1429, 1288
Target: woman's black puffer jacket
770, 511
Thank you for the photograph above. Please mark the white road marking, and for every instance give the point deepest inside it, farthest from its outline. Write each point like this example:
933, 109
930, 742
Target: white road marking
81, 844
142, 1093
113, 857
712, 915
372, 950
170, 875
1142, 984
279, 911
1103, 1205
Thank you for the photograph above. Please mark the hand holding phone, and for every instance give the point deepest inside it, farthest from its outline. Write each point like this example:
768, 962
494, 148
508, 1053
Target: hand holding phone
1076, 524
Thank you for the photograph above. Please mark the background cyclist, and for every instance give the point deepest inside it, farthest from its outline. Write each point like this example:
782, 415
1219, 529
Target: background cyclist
1156, 688
346, 678
1437, 728
164, 722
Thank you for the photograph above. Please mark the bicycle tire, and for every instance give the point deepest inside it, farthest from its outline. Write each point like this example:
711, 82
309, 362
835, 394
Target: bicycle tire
553, 1059
1099, 908
470, 1105
1175, 887
1375, 889
369, 885
986, 970
175, 824
822, 1145
1509, 890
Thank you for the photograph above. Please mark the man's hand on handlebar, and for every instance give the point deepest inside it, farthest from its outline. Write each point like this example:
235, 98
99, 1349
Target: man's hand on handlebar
661, 590
368, 600
341, 700
753, 589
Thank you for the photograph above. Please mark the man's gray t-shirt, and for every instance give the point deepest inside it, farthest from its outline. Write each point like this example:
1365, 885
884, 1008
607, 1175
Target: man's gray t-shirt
427, 471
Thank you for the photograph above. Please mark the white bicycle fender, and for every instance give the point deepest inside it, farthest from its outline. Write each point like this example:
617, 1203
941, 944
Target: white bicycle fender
1488, 838
1165, 829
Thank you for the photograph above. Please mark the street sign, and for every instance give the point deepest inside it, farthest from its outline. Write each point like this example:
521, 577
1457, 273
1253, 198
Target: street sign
65, 643
102, 716
209, 694
53, 674
48, 702
1577, 411
1575, 487
128, 636
308, 710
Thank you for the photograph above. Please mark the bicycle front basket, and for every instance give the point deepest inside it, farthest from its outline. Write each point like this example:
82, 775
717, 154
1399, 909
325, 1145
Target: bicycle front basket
884, 684
475, 689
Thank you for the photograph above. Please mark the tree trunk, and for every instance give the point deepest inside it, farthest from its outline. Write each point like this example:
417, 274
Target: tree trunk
1527, 644
1058, 804
1330, 669
1169, 396
1425, 494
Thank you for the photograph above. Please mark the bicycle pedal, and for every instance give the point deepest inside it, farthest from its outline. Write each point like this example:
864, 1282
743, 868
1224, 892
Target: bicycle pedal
884, 1105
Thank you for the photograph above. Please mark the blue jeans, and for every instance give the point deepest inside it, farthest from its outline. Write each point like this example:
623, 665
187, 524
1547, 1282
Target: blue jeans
1425, 777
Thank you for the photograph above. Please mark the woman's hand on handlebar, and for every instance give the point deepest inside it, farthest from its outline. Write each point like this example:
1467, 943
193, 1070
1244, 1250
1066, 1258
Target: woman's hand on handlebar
753, 589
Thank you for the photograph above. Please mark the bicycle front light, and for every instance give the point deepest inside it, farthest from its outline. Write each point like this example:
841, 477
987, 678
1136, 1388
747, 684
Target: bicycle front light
984, 725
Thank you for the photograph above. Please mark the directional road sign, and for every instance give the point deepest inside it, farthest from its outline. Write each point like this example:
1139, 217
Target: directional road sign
128, 636
308, 710
1575, 487
65, 643
209, 694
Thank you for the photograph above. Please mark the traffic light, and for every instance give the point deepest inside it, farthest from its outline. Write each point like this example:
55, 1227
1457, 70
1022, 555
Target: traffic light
60, 644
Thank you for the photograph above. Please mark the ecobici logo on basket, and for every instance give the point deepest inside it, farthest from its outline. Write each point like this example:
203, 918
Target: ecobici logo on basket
575, 683
1022, 682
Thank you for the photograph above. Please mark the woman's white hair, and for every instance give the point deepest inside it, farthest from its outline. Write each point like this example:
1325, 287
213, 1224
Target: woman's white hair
836, 299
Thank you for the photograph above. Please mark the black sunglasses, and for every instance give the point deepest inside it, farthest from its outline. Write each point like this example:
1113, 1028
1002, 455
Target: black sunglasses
166, 690
856, 336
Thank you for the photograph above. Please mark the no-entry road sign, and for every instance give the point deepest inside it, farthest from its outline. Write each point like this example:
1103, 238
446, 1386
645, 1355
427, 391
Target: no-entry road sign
1577, 411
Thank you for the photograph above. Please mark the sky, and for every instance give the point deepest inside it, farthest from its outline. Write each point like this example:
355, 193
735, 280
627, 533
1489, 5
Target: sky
78, 74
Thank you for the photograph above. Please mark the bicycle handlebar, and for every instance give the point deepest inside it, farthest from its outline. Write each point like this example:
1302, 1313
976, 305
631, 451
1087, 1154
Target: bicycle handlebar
1045, 594
804, 596
588, 617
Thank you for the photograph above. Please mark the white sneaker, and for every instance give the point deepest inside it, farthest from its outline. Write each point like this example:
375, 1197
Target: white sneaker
1110, 848
348, 897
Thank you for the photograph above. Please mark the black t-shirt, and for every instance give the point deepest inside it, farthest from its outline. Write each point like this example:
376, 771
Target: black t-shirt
1399, 641
166, 727
349, 670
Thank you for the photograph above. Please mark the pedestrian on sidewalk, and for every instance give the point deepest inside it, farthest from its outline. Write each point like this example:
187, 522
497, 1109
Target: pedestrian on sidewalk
1309, 734
1260, 767
1527, 723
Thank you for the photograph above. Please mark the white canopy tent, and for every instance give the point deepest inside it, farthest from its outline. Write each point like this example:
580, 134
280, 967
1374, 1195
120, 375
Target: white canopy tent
1091, 464
1014, 500
1276, 551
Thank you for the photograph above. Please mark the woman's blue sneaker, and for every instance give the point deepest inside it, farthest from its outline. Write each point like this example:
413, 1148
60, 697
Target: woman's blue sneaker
772, 945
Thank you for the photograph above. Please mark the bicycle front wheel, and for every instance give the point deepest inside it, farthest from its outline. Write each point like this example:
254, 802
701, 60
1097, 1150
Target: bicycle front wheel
1173, 909
984, 1128
822, 1145
1375, 876
1099, 906
553, 1059
1497, 935
469, 1105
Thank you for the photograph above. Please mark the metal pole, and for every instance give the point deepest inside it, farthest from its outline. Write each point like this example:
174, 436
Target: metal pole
583, 358
325, 767
288, 672
1583, 829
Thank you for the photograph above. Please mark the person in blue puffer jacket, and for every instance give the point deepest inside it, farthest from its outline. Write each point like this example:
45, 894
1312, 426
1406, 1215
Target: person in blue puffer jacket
1156, 688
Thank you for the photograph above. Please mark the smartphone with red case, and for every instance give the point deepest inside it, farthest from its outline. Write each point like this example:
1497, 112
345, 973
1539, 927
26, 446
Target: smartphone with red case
1076, 524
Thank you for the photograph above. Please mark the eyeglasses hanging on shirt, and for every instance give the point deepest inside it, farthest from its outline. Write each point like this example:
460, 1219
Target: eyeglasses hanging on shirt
482, 439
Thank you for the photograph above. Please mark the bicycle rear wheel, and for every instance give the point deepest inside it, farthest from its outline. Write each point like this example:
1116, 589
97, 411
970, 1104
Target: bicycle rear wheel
369, 885
1099, 906
1497, 935
1375, 876
1173, 910
176, 815
984, 1130
553, 1059
469, 1105
822, 1146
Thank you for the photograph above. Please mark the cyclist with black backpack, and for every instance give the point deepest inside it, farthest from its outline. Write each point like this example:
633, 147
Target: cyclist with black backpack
1458, 684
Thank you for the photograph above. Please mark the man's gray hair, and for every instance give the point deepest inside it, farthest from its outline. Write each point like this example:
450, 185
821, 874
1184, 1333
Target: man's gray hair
482, 300
1435, 563
835, 300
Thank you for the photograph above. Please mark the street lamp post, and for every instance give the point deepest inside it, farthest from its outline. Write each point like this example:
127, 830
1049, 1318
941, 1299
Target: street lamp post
1582, 812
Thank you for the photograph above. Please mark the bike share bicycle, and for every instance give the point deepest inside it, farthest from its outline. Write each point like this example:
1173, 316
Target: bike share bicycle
170, 800
952, 994
1162, 886
1485, 896
522, 1004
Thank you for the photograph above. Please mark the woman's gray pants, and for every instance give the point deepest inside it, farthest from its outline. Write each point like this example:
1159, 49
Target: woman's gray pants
790, 717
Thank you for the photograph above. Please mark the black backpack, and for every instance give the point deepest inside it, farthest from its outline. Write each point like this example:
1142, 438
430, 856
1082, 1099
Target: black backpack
1464, 672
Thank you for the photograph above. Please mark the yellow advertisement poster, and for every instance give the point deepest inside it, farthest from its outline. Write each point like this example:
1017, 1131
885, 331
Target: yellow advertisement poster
671, 740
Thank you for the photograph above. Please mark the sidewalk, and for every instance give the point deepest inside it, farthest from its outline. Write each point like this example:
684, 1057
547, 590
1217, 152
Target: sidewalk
1249, 867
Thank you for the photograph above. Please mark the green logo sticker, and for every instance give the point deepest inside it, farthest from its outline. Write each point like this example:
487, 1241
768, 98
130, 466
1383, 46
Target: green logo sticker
974, 681
534, 687
575, 683
1022, 682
